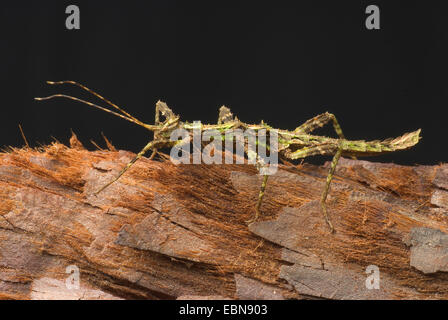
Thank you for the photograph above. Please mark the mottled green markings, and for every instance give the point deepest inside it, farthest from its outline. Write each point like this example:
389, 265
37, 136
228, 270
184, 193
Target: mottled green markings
295, 144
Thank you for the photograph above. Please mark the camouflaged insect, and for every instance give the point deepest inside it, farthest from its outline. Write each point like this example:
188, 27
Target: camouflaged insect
295, 144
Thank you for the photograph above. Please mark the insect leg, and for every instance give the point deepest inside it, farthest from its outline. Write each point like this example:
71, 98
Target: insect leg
253, 155
319, 121
149, 146
260, 199
153, 154
322, 149
334, 163
170, 118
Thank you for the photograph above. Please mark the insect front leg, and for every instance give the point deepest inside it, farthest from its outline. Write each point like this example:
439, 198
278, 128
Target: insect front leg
334, 163
163, 110
149, 146
171, 119
156, 122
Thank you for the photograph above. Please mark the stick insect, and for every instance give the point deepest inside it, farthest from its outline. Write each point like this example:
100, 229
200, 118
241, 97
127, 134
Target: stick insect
295, 144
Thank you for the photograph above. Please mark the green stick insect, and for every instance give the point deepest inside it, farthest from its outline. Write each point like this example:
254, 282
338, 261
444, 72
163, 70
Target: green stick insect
295, 144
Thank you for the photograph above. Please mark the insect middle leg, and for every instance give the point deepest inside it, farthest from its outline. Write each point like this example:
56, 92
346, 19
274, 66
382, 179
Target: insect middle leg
260, 199
323, 198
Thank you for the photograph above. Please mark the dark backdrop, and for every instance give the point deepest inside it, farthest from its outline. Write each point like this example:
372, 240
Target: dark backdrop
282, 62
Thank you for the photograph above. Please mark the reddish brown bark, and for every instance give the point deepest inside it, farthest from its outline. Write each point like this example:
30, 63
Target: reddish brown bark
164, 231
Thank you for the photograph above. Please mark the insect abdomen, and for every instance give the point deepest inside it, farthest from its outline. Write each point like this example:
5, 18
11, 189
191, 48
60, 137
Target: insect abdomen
376, 147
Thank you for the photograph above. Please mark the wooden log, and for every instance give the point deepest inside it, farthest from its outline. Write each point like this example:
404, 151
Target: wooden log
165, 232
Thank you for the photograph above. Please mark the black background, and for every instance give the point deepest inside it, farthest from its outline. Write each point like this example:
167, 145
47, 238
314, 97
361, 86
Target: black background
283, 62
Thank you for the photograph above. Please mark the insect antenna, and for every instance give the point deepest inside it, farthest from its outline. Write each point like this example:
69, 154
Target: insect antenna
92, 105
95, 94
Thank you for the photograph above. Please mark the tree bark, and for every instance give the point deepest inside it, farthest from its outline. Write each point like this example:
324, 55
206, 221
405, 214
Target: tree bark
164, 231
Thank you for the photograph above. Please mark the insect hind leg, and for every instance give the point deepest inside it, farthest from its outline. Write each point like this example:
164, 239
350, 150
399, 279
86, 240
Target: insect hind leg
323, 199
319, 121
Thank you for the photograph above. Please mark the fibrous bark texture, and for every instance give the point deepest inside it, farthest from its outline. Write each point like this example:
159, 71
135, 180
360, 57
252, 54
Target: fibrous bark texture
166, 231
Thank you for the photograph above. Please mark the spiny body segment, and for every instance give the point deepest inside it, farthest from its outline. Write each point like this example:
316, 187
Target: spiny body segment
296, 144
